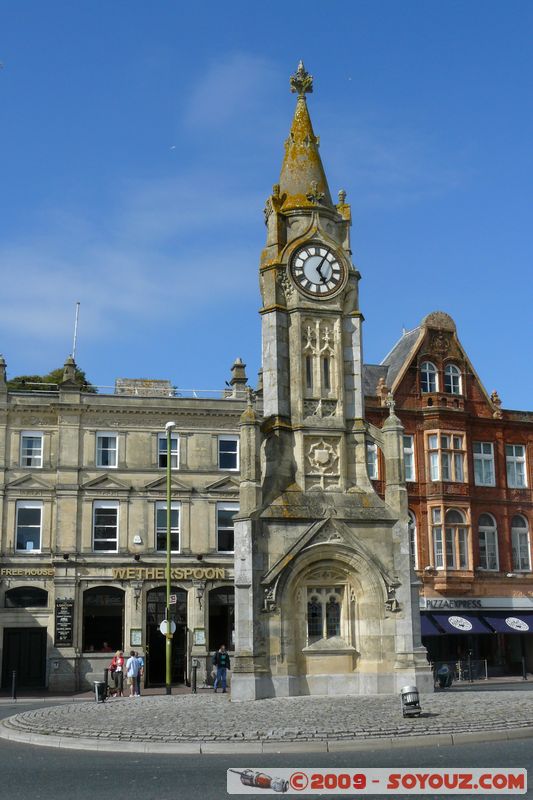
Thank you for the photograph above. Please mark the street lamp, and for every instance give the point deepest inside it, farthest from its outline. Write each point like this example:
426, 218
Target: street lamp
168, 633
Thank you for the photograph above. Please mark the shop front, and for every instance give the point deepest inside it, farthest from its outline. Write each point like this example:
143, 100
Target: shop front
494, 636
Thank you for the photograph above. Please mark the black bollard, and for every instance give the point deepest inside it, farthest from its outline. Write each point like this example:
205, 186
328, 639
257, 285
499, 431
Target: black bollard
106, 681
194, 676
524, 670
14, 685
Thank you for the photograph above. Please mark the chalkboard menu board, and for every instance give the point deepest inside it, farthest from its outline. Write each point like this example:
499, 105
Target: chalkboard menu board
64, 623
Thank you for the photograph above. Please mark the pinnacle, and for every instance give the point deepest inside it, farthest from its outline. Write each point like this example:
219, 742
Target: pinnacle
303, 180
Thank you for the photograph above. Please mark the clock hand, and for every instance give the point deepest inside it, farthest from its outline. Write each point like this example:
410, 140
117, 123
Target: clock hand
319, 269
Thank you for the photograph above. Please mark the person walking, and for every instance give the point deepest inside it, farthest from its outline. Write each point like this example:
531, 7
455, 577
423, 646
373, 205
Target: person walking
116, 668
133, 667
222, 663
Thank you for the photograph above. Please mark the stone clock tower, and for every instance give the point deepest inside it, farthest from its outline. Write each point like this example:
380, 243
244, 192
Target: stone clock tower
326, 602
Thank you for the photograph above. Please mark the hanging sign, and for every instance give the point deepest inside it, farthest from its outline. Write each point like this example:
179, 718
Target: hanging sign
64, 623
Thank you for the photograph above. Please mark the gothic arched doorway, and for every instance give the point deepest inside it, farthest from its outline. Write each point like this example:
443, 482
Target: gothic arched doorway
155, 655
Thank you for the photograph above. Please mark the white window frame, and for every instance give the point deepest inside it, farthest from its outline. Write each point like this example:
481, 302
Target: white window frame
161, 505
174, 451
99, 450
452, 379
429, 378
22, 504
446, 456
106, 504
518, 535
229, 438
413, 539
516, 466
372, 461
409, 457
450, 540
38, 456
484, 464
226, 506
488, 541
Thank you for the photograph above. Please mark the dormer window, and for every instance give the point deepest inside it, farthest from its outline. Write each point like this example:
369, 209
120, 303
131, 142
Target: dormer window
452, 379
428, 377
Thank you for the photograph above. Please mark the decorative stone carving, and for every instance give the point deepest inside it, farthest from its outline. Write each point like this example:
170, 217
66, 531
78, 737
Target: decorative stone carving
440, 342
497, 403
323, 456
301, 82
382, 391
285, 284
314, 196
320, 408
391, 603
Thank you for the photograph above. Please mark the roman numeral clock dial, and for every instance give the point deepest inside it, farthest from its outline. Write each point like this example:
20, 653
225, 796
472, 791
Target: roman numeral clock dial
317, 271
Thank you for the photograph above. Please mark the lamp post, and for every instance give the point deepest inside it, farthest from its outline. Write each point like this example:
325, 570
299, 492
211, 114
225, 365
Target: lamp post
168, 633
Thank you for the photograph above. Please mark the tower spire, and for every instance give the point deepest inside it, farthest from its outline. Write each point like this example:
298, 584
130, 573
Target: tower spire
302, 182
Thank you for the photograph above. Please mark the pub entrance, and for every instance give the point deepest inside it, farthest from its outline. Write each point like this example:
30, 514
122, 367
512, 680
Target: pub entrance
24, 651
155, 667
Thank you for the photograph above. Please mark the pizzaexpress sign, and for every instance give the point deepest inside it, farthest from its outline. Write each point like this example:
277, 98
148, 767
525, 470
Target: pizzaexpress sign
176, 573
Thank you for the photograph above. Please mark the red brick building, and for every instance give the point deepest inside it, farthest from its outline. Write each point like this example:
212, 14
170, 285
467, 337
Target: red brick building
469, 474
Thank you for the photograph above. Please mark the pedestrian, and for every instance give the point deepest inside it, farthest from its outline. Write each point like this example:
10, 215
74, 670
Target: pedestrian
116, 668
132, 668
105, 648
140, 674
222, 663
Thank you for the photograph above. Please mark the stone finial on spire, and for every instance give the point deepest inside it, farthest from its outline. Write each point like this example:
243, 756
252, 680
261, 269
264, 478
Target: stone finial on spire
301, 81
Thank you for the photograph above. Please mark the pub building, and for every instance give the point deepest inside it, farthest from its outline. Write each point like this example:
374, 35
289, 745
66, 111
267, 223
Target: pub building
83, 535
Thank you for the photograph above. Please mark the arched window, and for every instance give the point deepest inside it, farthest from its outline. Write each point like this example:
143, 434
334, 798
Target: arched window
221, 617
488, 542
428, 377
413, 550
452, 379
324, 612
314, 619
26, 597
450, 552
520, 544
333, 618
103, 619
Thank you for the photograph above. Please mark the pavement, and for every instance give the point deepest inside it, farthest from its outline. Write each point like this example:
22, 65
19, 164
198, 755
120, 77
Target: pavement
210, 723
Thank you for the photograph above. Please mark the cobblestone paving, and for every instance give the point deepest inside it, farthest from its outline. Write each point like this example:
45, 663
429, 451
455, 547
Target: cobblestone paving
213, 718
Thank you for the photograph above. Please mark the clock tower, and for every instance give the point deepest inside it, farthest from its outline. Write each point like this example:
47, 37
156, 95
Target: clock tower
326, 601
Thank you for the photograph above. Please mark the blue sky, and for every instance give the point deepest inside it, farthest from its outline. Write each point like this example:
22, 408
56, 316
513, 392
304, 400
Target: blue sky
139, 143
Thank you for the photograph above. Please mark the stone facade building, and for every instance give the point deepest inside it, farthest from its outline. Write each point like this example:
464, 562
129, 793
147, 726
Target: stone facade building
83, 509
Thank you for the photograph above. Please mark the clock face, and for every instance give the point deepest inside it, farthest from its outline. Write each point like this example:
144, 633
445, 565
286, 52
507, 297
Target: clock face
316, 270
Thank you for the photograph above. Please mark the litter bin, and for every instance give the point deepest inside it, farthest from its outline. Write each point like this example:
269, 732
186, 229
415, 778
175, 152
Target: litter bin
99, 691
410, 701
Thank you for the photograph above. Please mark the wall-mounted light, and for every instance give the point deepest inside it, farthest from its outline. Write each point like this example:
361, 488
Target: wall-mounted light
137, 591
200, 591
66, 556
136, 557
137, 539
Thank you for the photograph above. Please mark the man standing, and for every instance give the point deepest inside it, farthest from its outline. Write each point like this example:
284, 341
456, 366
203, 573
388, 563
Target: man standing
132, 667
222, 663
140, 659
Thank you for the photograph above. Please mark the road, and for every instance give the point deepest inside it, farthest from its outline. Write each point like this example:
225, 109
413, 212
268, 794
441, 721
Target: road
42, 773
